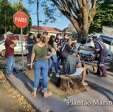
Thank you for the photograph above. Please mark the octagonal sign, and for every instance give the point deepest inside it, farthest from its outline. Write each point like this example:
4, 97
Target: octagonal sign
20, 19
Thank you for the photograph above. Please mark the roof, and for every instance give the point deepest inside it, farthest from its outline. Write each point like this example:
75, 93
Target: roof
46, 29
69, 29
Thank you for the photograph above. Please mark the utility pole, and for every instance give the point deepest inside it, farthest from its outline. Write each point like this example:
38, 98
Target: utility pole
38, 14
5, 25
5, 15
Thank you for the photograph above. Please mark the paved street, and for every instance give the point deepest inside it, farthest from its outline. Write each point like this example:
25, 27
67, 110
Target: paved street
97, 98
100, 93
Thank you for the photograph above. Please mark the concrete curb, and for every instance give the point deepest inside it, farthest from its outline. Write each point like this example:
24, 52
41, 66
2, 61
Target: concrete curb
50, 104
110, 73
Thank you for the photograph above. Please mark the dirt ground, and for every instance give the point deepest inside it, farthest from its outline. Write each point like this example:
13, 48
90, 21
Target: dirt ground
54, 89
11, 100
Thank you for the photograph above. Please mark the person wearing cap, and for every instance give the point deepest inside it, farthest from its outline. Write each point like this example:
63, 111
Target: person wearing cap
101, 49
10, 43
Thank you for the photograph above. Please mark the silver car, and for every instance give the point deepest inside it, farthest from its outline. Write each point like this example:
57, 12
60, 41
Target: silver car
90, 55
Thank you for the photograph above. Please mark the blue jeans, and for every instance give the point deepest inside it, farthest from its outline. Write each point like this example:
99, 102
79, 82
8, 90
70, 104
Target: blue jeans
10, 63
53, 62
41, 71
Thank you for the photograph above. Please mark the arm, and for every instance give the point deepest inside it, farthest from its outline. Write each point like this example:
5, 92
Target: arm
47, 39
13, 44
32, 56
49, 55
78, 63
32, 59
97, 47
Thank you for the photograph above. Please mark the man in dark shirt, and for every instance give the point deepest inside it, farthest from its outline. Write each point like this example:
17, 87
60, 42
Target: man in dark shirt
30, 43
101, 49
10, 43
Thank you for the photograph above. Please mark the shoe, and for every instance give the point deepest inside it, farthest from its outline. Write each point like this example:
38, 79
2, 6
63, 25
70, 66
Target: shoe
84, 83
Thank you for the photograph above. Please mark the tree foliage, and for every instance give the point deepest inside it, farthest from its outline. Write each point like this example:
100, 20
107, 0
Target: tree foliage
104, 17
79, 12
6, 17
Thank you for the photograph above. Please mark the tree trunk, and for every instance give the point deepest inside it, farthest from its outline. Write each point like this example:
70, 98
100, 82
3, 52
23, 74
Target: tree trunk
71, 85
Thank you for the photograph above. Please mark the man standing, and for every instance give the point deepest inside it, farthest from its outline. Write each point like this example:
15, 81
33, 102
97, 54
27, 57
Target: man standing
100, 48
10, 43
30, 43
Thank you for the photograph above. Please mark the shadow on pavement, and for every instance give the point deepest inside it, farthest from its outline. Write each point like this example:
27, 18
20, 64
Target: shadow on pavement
27, 82
102, 90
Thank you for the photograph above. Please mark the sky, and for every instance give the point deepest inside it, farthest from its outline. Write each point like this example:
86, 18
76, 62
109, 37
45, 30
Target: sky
61, 22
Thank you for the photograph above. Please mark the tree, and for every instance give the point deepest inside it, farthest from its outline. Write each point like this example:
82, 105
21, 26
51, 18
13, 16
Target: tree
79, 12
5, 11
6, 17
104, 17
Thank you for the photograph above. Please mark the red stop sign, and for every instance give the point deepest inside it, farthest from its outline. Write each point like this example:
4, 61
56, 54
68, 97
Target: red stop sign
20, 19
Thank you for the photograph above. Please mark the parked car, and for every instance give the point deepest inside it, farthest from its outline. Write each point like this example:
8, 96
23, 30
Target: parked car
108, 41
17, 49
86, 53
89, 55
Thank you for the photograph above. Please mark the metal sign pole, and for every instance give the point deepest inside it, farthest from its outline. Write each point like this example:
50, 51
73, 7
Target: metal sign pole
22, 48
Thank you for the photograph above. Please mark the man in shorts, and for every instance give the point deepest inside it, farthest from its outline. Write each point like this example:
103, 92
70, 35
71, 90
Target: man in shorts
75, 68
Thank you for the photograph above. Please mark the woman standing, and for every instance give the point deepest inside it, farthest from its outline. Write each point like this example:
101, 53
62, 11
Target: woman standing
40, 59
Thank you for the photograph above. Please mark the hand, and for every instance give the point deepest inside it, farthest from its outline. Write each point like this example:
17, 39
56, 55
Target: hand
2, 53
31, 65
14, 41
47, 57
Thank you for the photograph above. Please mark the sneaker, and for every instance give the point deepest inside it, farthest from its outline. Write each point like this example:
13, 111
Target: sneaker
84, 83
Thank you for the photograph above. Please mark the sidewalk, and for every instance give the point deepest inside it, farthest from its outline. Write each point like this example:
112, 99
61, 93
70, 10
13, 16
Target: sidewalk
100, 89
50, 104
110, 73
